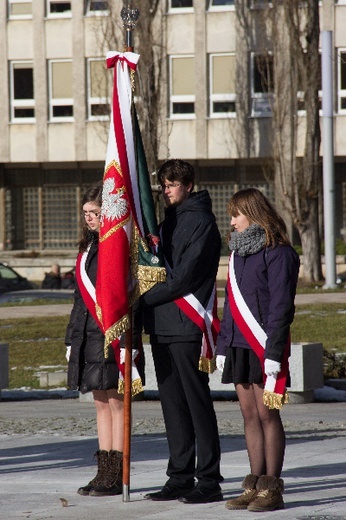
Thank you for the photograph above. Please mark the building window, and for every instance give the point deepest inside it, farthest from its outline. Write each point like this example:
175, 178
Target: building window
180, 4
22, 91
45, 225
58, 8
32, 217
20, 9
262, 79
342, 80
98, 98
96, 7
60, 228
222, 85
60, 90
221, 4
182, 87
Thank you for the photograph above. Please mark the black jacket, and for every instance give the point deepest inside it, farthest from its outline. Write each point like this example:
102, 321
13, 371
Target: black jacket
191, 245
87, 368
51, 281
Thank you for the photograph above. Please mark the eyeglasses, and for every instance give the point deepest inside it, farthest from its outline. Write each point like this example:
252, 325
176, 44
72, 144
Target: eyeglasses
169, 186
92, 214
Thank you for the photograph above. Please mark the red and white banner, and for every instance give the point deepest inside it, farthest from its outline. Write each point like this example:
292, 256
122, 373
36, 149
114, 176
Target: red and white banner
88, 293
122, 147
120, 206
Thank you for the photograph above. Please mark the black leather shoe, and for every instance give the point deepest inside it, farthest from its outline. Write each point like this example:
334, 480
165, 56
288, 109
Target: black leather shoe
169, 492
202, 495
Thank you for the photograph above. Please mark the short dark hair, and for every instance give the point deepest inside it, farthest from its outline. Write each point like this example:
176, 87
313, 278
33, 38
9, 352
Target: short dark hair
177, 170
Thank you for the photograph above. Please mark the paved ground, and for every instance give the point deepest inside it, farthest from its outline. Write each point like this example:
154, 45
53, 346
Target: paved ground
46, 449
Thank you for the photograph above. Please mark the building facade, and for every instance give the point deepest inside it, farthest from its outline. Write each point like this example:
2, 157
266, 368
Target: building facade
55, 112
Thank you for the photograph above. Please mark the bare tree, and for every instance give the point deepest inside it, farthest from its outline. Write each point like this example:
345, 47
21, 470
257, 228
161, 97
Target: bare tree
295, 29
286, 34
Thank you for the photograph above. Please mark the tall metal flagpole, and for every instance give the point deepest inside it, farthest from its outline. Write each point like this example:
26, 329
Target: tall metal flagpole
328, 159
129, 17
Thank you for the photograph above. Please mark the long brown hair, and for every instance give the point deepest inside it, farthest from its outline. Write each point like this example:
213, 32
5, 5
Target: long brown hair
93, 194
258, 210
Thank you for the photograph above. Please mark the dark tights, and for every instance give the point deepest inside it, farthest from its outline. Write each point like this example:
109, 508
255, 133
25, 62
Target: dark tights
264, 433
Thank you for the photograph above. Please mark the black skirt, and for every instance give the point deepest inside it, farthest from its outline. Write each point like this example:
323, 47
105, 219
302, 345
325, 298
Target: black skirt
242, 366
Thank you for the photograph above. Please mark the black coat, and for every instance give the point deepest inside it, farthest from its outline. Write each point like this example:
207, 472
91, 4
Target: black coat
87, 368
51, 281
191, 245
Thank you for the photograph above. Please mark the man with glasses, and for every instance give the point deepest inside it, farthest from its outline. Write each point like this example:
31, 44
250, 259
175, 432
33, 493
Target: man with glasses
191, 245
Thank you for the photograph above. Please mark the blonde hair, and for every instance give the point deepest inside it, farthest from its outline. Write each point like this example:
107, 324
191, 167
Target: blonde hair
258, 210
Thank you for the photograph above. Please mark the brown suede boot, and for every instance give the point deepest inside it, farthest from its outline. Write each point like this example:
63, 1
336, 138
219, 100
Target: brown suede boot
250, 493
112, 482
269, 494
102, 464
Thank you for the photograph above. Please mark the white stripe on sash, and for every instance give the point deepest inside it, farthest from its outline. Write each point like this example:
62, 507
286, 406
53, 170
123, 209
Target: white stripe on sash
85, 278
250, 320
205, 314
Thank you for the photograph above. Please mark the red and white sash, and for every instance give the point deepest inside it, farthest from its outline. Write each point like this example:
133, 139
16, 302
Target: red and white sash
209, 323
275, 394
207, 320
88, 293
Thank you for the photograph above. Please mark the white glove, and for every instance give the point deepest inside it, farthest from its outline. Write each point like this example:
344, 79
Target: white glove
271, 367
220, 362
122, 355
68, 353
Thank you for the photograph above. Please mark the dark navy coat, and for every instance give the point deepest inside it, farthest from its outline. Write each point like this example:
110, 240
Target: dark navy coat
267, 281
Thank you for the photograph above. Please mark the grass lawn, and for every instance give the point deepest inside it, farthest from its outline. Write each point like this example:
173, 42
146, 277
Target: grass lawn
33, 343
38, 343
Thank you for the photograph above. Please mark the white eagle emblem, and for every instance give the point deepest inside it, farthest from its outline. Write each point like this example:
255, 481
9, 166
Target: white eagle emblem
114, 205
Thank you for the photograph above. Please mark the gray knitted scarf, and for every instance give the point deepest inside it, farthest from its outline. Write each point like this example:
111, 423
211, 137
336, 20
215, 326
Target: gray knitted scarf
249, 241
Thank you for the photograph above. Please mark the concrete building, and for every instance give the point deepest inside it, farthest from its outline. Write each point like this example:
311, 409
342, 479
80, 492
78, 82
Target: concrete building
55, 106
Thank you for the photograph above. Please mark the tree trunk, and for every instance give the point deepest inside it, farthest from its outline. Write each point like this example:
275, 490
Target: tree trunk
309, 235
295, 31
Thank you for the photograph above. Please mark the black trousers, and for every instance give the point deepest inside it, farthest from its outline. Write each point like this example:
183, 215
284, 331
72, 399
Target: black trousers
189, 414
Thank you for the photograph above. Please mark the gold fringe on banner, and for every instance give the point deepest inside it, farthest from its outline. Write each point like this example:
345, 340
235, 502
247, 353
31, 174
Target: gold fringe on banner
146, 275
274, 401
115, 331
207, 365
98, 312
136, 387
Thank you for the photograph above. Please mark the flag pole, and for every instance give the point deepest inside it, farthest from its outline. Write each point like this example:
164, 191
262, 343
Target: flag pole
129, 17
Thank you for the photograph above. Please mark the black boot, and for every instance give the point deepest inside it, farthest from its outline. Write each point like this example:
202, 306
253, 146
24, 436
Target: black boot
113, 481
102, 465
